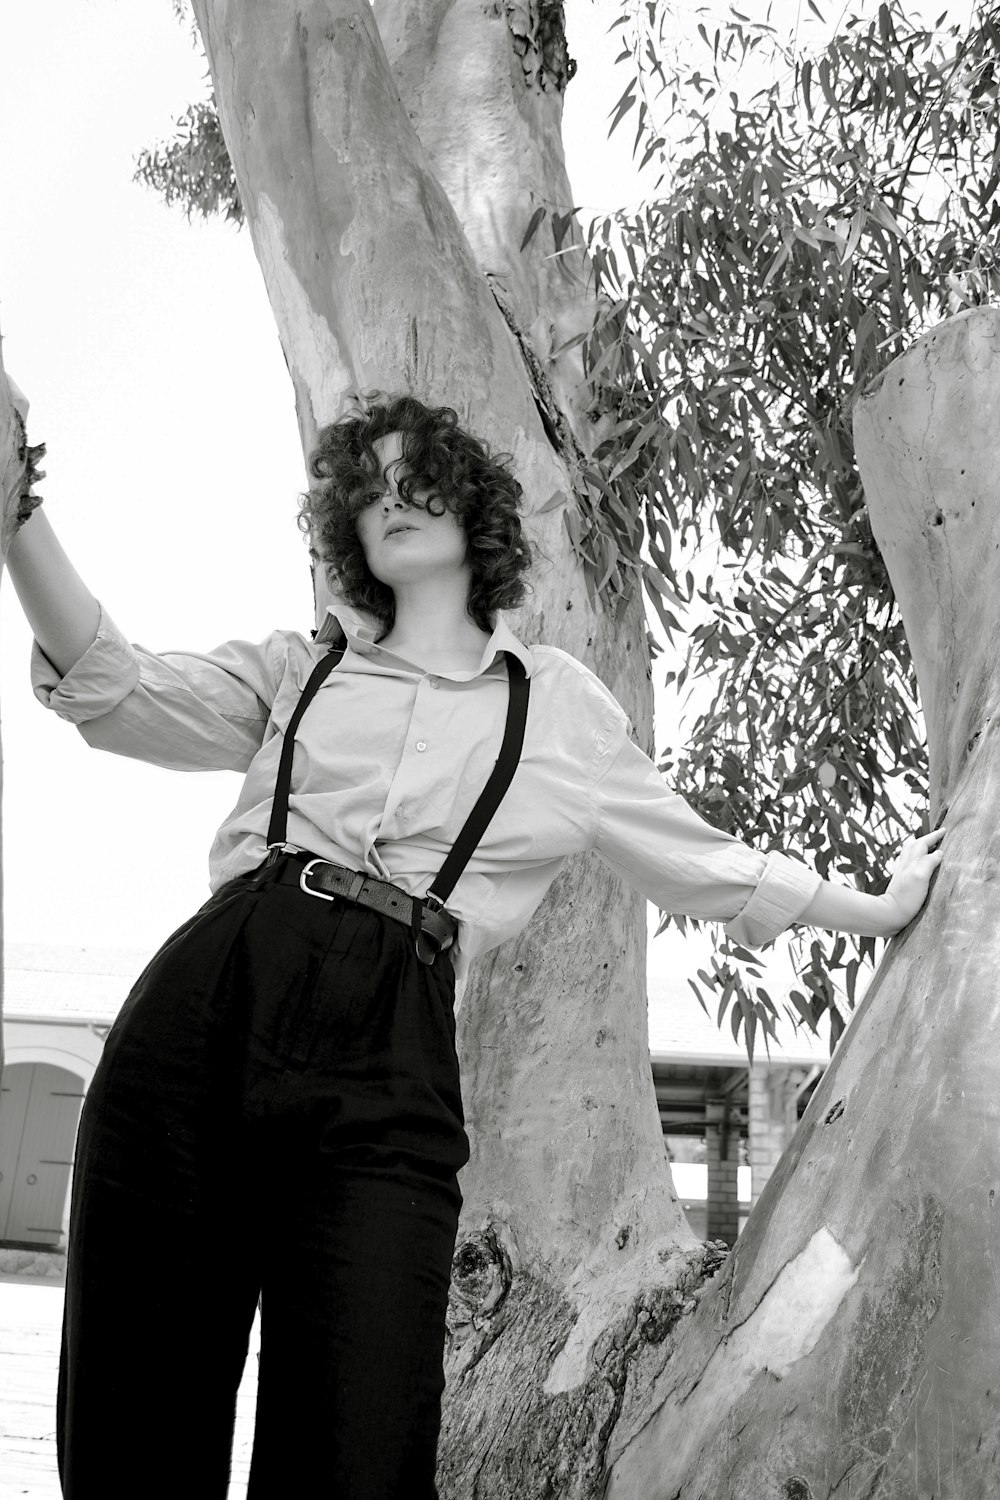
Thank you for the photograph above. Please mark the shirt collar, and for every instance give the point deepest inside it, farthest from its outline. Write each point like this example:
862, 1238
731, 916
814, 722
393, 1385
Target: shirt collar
361, 629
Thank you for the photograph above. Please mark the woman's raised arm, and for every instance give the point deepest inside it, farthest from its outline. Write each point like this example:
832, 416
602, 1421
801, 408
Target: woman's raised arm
61, 610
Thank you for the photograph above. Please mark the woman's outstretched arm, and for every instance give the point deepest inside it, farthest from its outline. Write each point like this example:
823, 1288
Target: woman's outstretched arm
660, 845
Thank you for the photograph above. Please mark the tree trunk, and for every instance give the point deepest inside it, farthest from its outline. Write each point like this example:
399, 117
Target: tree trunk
573, 1259
850, 1346
11, 471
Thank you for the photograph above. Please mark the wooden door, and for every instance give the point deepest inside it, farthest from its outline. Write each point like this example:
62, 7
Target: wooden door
39, 1112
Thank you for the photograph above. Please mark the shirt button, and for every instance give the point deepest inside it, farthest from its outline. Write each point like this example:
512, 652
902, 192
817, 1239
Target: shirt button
433, 682
421, 744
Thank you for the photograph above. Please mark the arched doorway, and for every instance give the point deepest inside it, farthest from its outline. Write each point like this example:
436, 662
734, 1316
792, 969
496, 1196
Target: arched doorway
39, 1111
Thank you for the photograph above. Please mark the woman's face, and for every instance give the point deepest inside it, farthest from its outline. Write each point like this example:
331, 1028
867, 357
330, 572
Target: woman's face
405, 543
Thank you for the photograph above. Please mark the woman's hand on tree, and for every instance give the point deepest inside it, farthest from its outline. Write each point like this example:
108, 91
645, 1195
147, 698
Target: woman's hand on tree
18, 464
911, 876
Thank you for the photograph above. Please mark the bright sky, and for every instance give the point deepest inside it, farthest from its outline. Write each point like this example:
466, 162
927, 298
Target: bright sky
148, 350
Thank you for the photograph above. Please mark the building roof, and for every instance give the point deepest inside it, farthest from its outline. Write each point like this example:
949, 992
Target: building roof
89, 985
78, 985
679, 1029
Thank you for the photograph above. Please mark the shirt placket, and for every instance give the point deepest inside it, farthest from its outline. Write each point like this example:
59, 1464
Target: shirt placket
421, 755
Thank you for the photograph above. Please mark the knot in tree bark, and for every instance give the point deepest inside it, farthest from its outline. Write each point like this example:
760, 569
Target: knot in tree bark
481, 1277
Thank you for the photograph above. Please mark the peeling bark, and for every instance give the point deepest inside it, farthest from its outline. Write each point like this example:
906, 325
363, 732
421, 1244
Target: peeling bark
491, 1452
878, 1376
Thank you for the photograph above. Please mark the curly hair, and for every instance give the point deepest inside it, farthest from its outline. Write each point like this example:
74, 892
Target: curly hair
465, 477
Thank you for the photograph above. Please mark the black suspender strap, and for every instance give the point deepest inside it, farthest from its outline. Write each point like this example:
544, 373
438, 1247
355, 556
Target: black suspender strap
433, 923
278, 825
493, 792
436, 927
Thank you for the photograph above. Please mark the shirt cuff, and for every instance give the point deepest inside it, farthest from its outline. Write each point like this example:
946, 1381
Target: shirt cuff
105, 674
781, 895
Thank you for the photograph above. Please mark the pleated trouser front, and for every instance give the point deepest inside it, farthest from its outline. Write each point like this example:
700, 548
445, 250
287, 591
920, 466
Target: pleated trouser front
277, 1114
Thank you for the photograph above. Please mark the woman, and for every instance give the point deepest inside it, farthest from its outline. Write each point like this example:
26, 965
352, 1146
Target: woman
281, 1089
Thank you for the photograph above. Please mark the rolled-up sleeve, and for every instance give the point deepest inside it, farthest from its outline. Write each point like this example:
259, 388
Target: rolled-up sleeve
189, 711
659, 845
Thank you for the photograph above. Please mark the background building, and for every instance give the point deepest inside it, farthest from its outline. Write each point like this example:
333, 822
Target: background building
59, 1005
724, 1121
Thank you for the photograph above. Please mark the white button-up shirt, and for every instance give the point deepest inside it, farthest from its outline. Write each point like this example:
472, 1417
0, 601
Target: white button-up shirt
389, 761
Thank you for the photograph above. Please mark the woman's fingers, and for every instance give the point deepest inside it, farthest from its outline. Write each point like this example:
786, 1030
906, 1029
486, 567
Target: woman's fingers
912, 870
919, 845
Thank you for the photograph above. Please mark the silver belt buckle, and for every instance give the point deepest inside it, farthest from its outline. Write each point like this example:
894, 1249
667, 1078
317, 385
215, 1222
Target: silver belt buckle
352, 893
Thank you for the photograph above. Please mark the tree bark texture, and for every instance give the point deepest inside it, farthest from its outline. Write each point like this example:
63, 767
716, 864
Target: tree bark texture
389, 161
850, 1346
18, 471
11, 473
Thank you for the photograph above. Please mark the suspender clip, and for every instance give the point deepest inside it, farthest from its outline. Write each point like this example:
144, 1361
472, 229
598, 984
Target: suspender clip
274, 851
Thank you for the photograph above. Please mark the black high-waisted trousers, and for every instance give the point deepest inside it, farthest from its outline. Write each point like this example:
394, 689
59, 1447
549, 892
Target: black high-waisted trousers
277, 1113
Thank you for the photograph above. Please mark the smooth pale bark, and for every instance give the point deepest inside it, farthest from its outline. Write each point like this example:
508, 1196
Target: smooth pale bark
484, 86
11, 470
573, 1256
850, 1346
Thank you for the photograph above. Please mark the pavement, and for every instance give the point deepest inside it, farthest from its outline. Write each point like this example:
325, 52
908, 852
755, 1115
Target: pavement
30, 1325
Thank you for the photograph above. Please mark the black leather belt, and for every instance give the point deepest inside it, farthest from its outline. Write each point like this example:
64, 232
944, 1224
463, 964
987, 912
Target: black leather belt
320, 877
